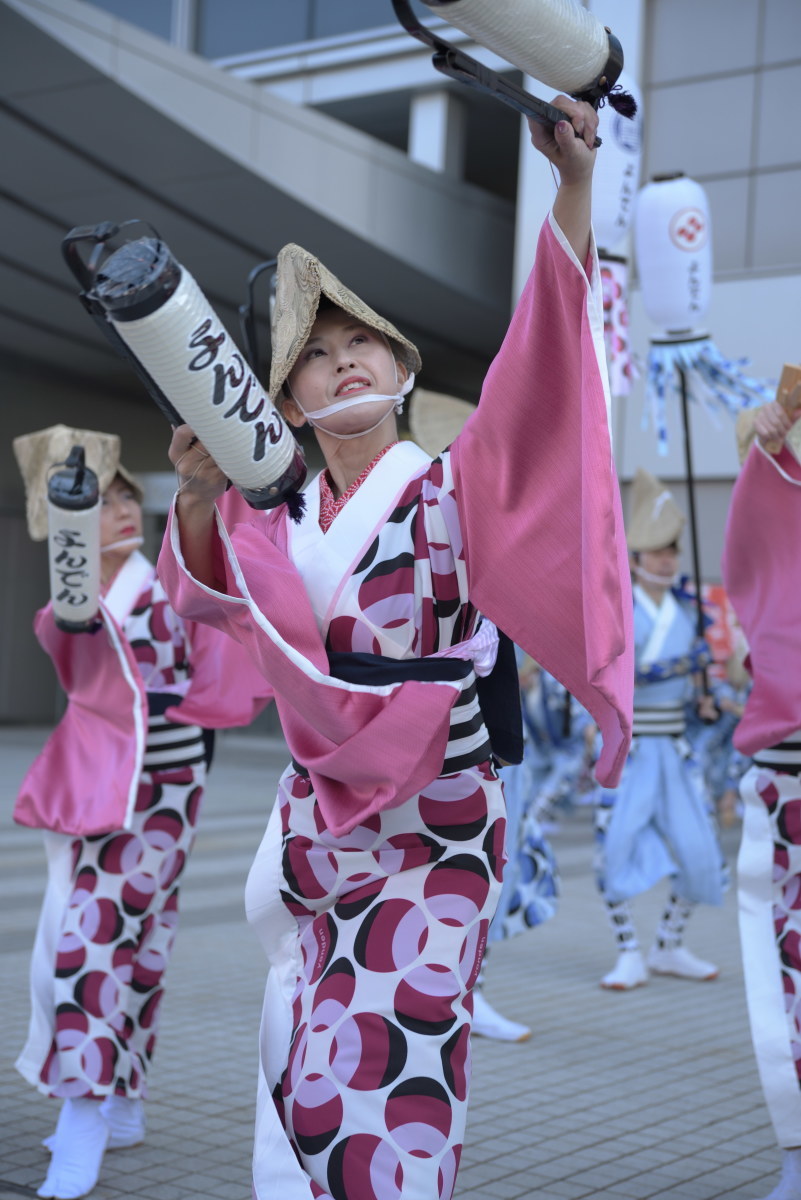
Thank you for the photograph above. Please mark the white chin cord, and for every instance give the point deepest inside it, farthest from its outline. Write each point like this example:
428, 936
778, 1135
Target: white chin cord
661, 580
371, 398
123, 544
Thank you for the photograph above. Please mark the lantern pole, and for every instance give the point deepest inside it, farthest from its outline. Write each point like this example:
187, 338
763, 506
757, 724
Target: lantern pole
691, 512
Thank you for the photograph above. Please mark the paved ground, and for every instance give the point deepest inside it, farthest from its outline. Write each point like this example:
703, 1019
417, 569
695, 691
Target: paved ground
653, 1093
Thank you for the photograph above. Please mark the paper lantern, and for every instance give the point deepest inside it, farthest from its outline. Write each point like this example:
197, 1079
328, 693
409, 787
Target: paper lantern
617, 171
73, 518
673, 243
153, 311
559, 42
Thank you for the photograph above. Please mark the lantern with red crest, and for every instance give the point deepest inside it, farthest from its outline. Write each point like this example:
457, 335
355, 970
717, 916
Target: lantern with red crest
673, 245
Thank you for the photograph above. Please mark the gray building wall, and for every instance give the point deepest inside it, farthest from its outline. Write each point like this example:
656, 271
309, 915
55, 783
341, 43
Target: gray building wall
719, 81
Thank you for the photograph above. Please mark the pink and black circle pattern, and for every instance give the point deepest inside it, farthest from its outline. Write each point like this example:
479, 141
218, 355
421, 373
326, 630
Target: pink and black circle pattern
781, 795
394, 929
115, 942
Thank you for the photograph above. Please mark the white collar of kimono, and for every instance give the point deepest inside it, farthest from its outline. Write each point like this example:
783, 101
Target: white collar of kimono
326, 560
128, 584
662, 616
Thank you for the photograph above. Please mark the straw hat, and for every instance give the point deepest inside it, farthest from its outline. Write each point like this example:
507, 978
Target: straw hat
435, 420
37, 453
655, 519
744, 430
300, 281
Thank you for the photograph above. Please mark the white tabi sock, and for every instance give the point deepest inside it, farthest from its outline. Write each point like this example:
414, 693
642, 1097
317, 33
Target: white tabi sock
78, 1147
789, 1186
126, 1121
628, 972
490, 1024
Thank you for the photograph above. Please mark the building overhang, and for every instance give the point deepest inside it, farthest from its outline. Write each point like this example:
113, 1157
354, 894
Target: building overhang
102, 121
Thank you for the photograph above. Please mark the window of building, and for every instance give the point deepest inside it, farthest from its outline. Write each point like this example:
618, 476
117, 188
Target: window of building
224, 27
153, 15
228, 27
348, 16
716, 89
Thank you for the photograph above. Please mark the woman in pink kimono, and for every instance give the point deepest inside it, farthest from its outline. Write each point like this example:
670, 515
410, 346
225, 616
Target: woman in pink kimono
117, 789
762, 574
372, 619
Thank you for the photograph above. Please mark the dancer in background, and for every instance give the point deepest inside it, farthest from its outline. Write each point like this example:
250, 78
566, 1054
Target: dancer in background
562, 737
371, 618
530, 880
657, 823
721, 763
554, 760
117, 789
762, 573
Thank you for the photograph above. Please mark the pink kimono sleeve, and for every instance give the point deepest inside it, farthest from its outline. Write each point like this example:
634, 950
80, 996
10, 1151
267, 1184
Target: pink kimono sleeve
762, 576
365, 748
227, 690
84, 781
539, 499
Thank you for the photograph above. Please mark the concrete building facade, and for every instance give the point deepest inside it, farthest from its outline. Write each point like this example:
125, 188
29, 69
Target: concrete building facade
233, 126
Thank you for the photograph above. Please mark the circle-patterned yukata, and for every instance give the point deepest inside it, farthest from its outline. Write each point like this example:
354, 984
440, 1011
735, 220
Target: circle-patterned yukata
110, 912
116, 936
769, 888
392, 923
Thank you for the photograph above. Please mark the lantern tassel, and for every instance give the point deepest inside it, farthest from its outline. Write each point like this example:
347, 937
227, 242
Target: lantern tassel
296, 505
621, 101
717, 382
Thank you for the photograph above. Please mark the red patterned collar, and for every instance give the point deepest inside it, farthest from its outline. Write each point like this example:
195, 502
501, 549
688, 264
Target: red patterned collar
331, 506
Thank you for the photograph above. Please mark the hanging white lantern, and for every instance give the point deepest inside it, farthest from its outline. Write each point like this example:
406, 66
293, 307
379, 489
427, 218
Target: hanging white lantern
617, 171
673, 242
614, 192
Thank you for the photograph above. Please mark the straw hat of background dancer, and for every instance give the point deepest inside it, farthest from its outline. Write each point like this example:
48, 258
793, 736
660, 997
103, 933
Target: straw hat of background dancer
37, 453
655, 519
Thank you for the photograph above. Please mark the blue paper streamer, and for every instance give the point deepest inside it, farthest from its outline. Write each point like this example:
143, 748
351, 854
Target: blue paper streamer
716, 382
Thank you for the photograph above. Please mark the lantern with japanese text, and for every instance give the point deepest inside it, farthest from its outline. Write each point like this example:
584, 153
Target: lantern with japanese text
73, 517
673, 246
617, 173
673, 241
615, 182
155, 314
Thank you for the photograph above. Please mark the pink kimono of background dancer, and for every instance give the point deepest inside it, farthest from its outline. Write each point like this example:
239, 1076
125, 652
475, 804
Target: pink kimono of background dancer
762, 574
381, 865
117, 789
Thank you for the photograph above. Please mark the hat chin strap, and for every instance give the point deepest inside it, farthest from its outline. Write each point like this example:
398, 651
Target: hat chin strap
330, 410
662, 580
122, 544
